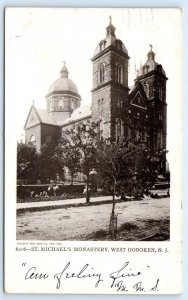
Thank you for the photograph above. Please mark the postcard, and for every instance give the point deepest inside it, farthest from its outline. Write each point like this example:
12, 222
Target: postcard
93, 150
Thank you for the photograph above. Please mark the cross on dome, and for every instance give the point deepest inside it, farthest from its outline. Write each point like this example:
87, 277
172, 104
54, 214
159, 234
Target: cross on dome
111, 29
64, 72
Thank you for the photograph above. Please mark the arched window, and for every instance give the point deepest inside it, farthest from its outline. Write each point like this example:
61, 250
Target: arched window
100, 106
101, 129
143, 70
159, 68
120, 103
102, 45
119, 74
61, 103
119, 129
101, 73
32, 139
160, 93
119, 45
146, 88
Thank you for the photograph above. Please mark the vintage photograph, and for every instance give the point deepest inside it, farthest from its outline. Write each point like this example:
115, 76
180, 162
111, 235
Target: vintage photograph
93, 150
94, 90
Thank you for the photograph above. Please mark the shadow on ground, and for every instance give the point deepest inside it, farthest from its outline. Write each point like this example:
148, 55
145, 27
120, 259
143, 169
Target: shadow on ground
149, 230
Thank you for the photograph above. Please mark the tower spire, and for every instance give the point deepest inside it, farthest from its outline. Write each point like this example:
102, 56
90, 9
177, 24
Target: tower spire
64, 72
151, 54
110, 29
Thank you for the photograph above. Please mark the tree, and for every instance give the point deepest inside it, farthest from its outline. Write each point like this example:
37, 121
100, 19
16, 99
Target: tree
127, 166
50, 164
81, 147
112, 158
27, 161
69, 155
148, 168
115, 163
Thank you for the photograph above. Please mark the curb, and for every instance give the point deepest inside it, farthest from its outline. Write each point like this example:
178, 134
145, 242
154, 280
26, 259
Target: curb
64, 206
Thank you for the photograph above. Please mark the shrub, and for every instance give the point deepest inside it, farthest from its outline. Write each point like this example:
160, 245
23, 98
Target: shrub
24, 191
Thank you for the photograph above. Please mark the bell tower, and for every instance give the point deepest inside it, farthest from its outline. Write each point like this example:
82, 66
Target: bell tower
110, 84
153, 79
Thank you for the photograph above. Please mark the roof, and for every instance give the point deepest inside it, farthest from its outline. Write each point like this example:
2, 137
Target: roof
37, 116
63, 84
45, 117
110, 40
79, 113
42, 116
150, 65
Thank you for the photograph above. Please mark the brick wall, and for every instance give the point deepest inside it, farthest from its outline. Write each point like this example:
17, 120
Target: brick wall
49, 132
42, 132
36, 131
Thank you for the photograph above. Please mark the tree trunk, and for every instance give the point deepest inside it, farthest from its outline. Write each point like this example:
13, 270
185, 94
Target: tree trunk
72, 177
87, 189
113, 212
114, 192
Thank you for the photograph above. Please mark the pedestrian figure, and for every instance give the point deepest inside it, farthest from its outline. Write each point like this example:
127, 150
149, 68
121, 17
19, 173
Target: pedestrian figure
45, 194
55, 189
85, 189
123, 196
50, 189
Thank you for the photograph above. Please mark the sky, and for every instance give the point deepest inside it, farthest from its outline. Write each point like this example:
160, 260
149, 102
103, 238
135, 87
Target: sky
38, 40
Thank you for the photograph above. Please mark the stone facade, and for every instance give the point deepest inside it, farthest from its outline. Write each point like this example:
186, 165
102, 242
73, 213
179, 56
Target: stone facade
110, 83
41, 134
133, 113
33, 136
154, 84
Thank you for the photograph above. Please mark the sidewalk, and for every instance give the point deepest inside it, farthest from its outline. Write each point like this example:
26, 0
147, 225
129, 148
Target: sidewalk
47, 205
65, 203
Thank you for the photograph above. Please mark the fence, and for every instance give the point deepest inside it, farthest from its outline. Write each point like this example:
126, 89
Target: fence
24, 191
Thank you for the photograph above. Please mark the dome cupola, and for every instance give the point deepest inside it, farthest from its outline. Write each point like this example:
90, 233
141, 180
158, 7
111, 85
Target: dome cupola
63, 84
62, 97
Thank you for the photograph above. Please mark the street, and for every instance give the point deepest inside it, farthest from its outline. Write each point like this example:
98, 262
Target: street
92, 222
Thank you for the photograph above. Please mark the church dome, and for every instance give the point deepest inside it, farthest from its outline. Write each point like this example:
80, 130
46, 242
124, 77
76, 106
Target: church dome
63, 84
110, 40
